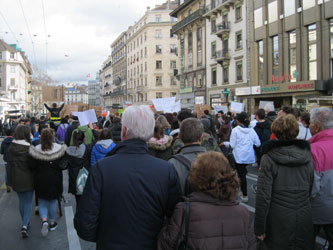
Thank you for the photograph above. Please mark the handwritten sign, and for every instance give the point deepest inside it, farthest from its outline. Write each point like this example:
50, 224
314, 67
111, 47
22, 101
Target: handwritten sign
237, 107
86, 117
267, 105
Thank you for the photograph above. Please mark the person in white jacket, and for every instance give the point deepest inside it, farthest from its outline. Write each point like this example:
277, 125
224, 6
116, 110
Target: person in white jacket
242, 140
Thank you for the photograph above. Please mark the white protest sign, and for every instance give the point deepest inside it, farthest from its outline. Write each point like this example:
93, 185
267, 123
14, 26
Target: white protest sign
176, 107
85, 117
223, 108
237, 107
163, 103
267, 105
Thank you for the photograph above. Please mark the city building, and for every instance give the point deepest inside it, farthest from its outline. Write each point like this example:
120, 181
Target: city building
76, 94
226, 50
50, 94
94, 93
291, 53
119, 70
191, 32
152, 56
105, 78
36, 98
15, 80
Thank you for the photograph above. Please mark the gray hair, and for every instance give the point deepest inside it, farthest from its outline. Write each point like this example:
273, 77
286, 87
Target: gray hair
139, 122
191, 130
323, 117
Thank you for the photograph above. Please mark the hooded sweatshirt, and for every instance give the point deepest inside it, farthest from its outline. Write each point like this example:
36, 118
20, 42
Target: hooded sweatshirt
242, 140
100, 150
88, 134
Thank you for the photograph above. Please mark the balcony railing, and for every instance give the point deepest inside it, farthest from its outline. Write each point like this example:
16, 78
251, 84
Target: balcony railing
216, 4
187, 20
221, 55
12, 87
224, 26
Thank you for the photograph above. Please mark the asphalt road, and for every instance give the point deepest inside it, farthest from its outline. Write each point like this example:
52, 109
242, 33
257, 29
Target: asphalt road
64, 237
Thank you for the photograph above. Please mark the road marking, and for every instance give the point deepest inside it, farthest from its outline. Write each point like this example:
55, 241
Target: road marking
73, 239
250, 177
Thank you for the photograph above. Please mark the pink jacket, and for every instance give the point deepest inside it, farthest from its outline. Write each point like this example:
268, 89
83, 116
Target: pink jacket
322, 190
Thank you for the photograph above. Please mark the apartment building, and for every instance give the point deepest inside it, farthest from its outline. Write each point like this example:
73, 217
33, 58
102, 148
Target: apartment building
152, 56
226, 50
191, 32
94, 93
76, 94
105, 78
291, 52
15, 79
119, 70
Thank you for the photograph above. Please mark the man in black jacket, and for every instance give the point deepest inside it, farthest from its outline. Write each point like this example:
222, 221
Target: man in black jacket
128, 193
75, 124
55, 112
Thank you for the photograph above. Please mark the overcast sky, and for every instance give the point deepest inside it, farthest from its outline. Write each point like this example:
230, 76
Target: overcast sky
81, 29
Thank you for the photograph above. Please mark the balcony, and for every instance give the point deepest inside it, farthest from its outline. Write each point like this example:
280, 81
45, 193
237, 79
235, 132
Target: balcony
187, 20
13, 87
222, 56
216, 6
222, 29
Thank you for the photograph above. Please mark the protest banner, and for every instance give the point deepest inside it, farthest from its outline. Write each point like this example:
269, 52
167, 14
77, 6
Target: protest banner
267, 105
223, 108
237, 107
86, 117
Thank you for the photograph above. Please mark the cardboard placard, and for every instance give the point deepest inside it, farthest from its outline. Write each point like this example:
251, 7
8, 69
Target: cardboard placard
237, 107
267, 105
86, 117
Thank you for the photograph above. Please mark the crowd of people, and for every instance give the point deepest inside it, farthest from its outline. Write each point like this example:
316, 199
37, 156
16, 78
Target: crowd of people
175, 181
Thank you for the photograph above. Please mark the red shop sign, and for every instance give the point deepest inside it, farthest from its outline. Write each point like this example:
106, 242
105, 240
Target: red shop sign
301, 86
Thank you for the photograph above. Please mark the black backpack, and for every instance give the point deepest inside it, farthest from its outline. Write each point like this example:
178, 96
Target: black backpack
188, 165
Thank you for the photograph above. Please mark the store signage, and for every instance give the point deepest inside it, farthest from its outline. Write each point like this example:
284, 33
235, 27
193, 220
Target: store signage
284, 78
185, 90
270, 89
243, 91
301, 86
256, 90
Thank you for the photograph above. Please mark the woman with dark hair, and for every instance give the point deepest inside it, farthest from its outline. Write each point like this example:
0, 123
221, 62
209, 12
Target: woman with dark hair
116, 129
78, 156
61, 130
20, 175
242, 140
283, 218
304, 124
216, 220
103, 146
224, 131
160, 144
164, 123
47, 177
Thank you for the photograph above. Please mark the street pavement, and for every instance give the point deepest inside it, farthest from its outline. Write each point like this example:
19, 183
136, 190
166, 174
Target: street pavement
64, 237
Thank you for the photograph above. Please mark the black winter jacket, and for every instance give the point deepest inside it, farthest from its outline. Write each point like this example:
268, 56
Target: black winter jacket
47, 174
5, 146
263, 130
126, 198
161, 150
70, 129
283, 209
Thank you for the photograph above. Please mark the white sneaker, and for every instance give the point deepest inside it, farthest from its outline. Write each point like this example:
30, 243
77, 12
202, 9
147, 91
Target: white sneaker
45, 228
244, 199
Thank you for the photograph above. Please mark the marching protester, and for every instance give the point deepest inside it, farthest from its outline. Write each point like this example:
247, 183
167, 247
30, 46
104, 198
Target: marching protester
224, 130
103, 146
61, 130
74, 125
20, 175
242, 141
128, 193
47, 178
321, 126
283, 211
116, 129
215, 220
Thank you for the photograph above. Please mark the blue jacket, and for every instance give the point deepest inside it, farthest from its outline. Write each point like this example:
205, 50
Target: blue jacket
126, 198
100, 150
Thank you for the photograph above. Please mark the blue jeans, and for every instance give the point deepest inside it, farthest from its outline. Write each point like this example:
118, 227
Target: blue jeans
25, 206
45, 206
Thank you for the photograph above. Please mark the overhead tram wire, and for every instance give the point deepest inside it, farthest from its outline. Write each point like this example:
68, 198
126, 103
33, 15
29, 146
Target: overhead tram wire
26, 23
45, 35
4, 19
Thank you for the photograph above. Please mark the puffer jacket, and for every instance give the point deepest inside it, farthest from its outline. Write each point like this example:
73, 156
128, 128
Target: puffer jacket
214, 224
77, 159
100, 149
322, 192
161, 148
47, 174
263, 130
283, 210
19, 172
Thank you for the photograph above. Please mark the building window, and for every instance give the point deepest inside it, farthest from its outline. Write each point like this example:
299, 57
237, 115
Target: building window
158, 19
0, 69
331, 48
275, 41
173, 65
213, 76
173, 19
141, 53
213, 25
145, 36
0, 55
12, 69
146, 81
12, 55
238, 12
158, 95
158, 80
289, 7
158, 34
225, 75
292, 55
12, 81
261, 62
172, 94
312, 51
0, 82
159, 49
213, 46
258, 18
145, 96
273, 12
173, 48
190, 40
239, 42
307, 4
158, 64
145, 66
145, 51
173, 80
239, 71
199, 46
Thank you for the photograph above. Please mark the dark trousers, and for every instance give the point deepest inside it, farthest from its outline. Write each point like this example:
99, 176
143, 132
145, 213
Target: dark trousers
241, 172
328, 229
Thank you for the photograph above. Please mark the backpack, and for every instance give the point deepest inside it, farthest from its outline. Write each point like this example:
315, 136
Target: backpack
188, 165
81, 180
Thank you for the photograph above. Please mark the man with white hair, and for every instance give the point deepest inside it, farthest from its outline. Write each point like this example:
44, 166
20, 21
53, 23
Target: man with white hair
321, 127
128, 193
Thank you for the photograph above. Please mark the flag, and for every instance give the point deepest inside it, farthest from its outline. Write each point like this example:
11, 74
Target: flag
88, 75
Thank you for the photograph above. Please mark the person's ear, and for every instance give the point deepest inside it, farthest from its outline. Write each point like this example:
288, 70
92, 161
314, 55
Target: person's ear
123, 132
